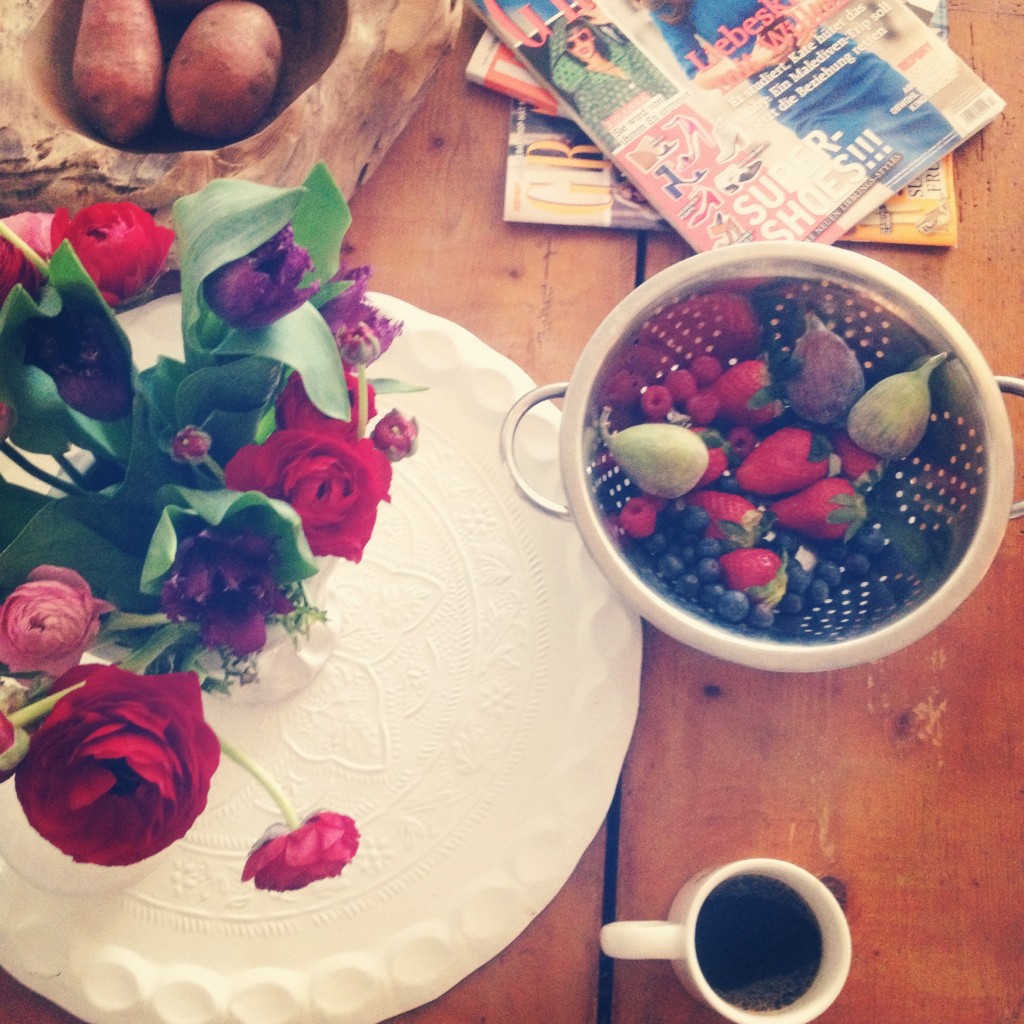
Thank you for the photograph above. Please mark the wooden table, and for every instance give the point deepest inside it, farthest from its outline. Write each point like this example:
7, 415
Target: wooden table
903, 779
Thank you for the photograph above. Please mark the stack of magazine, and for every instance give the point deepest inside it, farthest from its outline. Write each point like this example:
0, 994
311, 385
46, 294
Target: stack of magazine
819, 119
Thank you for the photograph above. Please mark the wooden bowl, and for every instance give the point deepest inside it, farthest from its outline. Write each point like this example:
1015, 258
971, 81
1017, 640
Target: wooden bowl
353, 73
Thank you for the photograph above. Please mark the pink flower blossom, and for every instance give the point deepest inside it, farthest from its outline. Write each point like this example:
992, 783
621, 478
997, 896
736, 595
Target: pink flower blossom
48, 623
321, 847
34, 230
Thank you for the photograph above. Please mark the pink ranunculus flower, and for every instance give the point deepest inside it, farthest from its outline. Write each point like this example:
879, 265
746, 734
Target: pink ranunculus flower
321, 847
35, 230
48, 623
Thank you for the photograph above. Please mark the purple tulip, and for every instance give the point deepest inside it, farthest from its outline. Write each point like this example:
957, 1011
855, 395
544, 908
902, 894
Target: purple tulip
225, 582
264, 286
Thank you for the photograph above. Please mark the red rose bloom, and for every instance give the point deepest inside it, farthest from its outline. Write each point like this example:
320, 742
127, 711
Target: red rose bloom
333, 484
294, 410
16, 269
120, 768
120, 245
321, 847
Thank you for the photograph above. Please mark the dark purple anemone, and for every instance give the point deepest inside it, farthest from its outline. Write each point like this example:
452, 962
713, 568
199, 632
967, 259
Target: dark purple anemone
264, 286
225, 583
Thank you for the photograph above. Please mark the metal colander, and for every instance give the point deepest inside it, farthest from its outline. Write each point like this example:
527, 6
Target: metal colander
944, 508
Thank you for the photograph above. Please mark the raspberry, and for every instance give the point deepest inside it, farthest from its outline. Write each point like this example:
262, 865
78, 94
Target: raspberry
656, 402
742, 441
639, 516
707, 369
682, 384
703, 407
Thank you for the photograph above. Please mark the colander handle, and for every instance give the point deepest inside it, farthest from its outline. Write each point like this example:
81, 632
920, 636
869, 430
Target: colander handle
507, 438
1013, 386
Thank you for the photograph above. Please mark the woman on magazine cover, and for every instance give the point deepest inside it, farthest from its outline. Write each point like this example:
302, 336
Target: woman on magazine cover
843, 105
600, 72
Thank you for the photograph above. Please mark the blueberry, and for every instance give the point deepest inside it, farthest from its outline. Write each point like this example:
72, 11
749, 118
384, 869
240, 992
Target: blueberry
857, 563
708, 547
656, 544
694, 519
728, 484
670, 565
762, 616
710, 594
787, 542
733, 606
818, 593
833, 551
798, 578
688, 554
687, 585
828, 572
791, 604
709, 570
870, 539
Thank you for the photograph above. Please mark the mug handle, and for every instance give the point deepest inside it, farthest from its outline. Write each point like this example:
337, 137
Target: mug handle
643, 940
1013, 386
506, 442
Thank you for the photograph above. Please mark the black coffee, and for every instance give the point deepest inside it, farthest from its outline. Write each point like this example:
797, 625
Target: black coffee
758, 943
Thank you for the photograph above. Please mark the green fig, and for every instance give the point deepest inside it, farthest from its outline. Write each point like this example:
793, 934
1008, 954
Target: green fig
828, 377
663, 459
890, 418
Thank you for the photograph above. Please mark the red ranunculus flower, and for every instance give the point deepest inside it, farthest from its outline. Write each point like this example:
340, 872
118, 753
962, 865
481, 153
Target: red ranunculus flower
296, 412
120, 768
334, 485
120, 245
321, 847
16, 269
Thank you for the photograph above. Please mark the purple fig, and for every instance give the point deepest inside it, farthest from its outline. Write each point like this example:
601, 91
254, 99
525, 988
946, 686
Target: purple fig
828, 379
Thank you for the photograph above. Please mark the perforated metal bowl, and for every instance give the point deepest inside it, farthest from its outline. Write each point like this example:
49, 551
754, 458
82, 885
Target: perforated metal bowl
945, 507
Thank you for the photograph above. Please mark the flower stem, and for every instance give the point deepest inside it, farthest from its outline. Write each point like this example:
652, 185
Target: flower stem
33, 470
363, 399
39, 708
214, 467
265, 779
138, 661
25, 249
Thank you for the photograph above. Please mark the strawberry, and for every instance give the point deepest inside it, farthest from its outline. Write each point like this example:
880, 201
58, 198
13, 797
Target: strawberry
785, 461
733, 518
863, 468
718, 456
721, 321
758, 572
830, 509
745, 394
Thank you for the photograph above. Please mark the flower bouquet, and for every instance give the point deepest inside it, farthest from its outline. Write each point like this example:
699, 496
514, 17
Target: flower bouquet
168, 516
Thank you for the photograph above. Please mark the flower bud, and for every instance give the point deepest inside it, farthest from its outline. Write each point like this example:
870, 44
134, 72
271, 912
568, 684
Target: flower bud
191, 445
396, 436
8, 417
13, 747
261, 288
359, 345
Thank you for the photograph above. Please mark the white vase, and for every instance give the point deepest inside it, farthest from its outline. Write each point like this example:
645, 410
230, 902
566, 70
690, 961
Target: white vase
40, 863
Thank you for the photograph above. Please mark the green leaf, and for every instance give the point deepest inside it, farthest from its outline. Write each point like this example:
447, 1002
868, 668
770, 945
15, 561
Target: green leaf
320, 223
303, 341
225, 221
72, 532
187, 509
228, 401
19, 504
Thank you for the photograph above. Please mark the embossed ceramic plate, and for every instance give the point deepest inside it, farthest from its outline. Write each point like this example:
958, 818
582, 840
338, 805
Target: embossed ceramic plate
472, 715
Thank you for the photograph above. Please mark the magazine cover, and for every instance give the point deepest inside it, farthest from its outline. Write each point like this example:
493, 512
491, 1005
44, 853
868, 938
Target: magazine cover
556, 175
745, 119
923, 212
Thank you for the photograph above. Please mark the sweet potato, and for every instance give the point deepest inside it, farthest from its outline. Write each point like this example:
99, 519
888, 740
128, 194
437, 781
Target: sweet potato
117, 68
223, 74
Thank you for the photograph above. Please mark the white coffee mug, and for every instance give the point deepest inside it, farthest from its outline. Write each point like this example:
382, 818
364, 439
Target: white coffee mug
753, 939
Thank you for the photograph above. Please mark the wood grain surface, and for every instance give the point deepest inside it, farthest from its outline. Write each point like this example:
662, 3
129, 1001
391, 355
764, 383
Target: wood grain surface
902, 779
